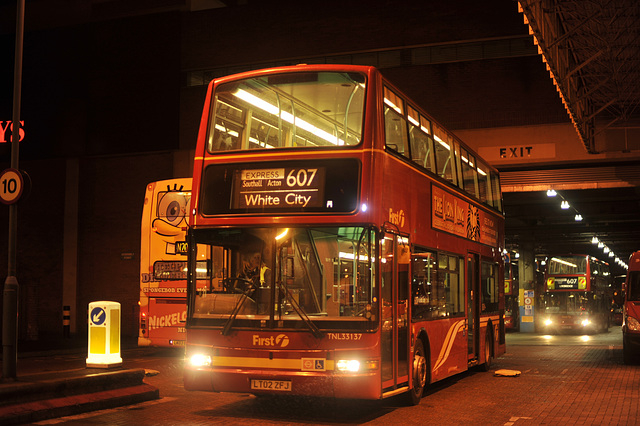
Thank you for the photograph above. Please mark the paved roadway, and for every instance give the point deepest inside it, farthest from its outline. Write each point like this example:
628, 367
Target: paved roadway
565, 380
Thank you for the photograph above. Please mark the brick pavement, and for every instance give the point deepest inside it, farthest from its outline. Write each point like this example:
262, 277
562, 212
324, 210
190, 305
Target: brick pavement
560, 384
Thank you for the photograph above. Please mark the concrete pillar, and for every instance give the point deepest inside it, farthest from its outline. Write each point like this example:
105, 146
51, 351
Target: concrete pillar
527, 270
70, 245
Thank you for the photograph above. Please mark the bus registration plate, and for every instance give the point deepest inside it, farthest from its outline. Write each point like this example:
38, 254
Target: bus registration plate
274, 385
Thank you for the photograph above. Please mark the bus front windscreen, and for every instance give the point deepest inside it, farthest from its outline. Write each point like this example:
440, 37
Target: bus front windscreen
568, 303
323, 275
290, 110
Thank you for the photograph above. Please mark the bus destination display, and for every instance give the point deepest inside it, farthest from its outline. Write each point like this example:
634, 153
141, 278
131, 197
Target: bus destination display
278, 188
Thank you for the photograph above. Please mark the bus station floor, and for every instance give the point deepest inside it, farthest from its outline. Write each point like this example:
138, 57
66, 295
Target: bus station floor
50, 384
563, 380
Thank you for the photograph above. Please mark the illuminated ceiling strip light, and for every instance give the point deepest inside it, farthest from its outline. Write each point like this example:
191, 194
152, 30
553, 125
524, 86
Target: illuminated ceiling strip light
351, 256
282, 234
564, 205
286, 116
564, 262
551, 193
482, 172
413, 121
441, 142
225, 130
262, 144
392, 105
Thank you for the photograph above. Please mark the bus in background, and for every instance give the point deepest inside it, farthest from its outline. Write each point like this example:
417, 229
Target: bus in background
577, 294
163, 263
511, 294
353, 247
631, 316
617, 303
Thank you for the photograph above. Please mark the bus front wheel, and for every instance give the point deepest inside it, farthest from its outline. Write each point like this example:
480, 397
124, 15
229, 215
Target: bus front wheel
627, 353
420, 370
488, 353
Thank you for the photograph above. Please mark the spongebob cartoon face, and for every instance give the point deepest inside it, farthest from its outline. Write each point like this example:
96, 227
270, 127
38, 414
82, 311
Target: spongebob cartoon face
171, 217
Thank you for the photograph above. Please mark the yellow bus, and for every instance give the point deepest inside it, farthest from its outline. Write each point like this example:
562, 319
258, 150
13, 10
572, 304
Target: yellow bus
163, 262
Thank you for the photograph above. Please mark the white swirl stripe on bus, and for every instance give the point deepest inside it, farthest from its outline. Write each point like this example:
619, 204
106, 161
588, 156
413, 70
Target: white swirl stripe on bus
448, 344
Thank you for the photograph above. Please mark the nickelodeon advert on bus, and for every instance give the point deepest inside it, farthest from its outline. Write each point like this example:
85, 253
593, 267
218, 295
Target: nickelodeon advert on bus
456, 216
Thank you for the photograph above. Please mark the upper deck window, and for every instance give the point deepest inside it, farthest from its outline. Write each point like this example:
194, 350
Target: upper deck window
444, 155
567, 265
293, 110
395, 124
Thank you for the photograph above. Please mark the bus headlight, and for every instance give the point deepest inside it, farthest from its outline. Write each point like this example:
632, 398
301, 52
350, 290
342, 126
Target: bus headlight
348, 365
548, 322
355, 366
199, 360
585, 322
633, 324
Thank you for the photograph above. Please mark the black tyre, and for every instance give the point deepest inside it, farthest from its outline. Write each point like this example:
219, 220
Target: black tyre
420, 373
627, 354
488, 353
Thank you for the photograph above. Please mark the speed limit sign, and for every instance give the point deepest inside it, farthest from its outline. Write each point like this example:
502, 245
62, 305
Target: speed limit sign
11, 184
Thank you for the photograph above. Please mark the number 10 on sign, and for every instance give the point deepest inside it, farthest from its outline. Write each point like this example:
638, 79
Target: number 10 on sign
11, 184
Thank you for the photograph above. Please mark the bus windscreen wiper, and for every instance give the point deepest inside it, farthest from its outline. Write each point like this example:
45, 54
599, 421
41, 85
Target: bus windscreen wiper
296, 307
236, 310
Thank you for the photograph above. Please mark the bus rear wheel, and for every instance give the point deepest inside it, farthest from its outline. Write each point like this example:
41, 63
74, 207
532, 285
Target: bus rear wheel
420, 370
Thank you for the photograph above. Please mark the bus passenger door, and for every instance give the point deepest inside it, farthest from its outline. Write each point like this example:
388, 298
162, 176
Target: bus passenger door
394, 341
473, 308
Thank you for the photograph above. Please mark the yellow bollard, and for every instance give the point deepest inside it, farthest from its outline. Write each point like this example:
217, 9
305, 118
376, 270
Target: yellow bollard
104, 335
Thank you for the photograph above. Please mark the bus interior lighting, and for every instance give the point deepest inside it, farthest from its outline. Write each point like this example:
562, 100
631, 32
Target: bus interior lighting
411, 119
564, 205
282, 234
551, 193
288, 117
594, 240
392, 105
564, 262
443, 143
578, 217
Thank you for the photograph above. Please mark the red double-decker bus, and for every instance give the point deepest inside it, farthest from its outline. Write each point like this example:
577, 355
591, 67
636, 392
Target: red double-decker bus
577, 294
631, 313
353, 245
